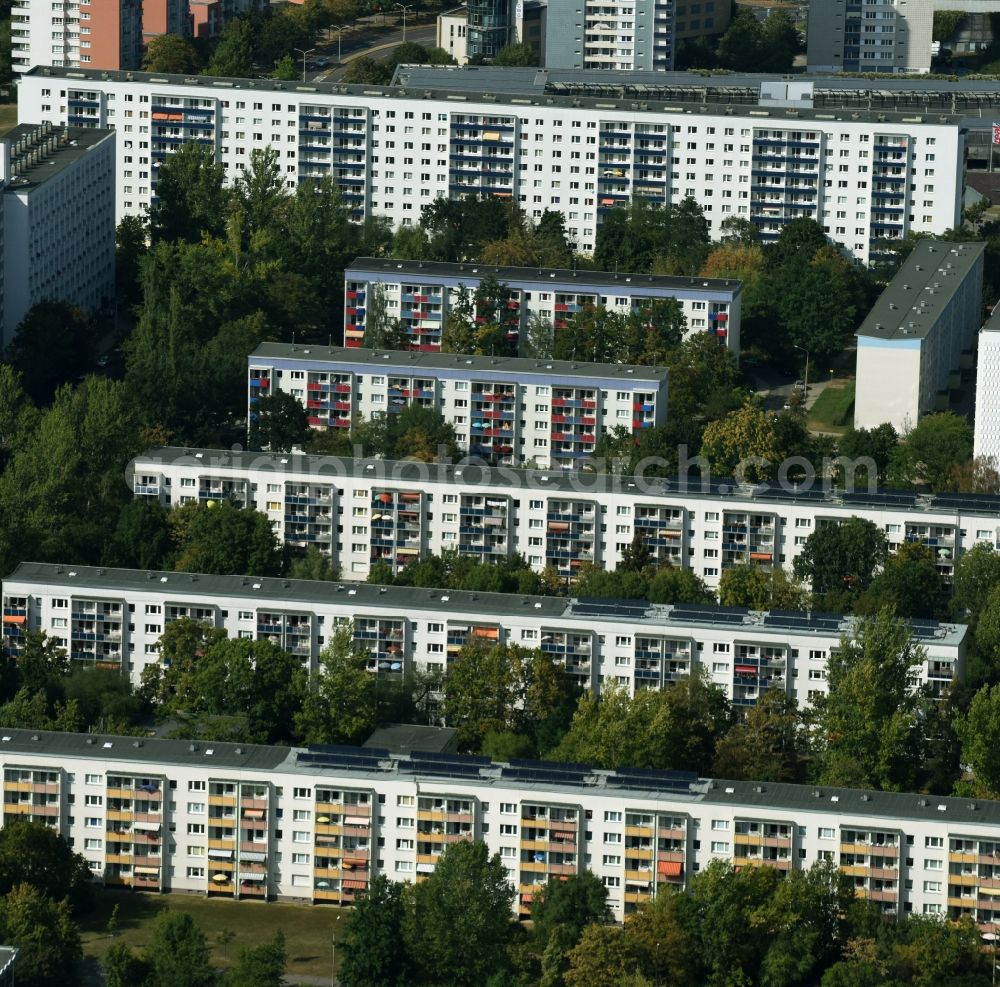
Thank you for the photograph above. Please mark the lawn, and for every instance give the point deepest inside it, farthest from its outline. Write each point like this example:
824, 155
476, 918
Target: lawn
8, 117
831, 411
308, 929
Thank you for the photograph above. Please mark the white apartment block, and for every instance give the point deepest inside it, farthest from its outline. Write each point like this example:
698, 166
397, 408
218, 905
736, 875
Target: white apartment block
396, 148
360, 512
505, 410
420, 294
100, 34
610, 35
911, 344
58, 219
987, 430
892, 36
113, 618
244, 821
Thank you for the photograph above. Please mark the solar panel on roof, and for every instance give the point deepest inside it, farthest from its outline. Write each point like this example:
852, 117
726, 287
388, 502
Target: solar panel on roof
884, 497
698, 611
446, 758
349, 750
520, 762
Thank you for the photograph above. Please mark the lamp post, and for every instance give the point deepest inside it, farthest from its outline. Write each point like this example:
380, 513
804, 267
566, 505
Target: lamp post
404, 9
305, 54
341, 28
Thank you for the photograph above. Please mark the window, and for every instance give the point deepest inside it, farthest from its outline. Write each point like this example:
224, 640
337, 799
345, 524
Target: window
196, 786
508, 852
196, 829
720, 824
932, 864
508, 829
301, 815
404, 822
196, 808
612, 817
93, 779
612, 837
93, 844
719, 847
612, 860
301, 836
826, 833
302, 793
404, 800
95, 800
508, 808
93, 822
195, 851
932, 887
937, 842
195, 872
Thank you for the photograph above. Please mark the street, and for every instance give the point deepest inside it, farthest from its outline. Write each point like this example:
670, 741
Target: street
364, 38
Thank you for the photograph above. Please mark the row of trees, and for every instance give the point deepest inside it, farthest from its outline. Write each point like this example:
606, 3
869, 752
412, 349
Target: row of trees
752, 926
748, 45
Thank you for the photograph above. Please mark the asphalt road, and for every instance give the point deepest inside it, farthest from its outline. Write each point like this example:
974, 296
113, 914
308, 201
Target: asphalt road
375, 41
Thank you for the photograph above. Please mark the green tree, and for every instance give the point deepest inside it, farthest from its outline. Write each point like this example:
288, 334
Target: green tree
466, 900
172, 54
239, 690
259, 966
868, 727
570, 906
602, 958
663, 948
931, 451
876, 444
744, 444
122, 968
178, 954
979, 734
227, 540
286, 69
340, 706
191, 198
768, 745
43, 931
838, 557
233, 56
374, 953
141, 537
314, 565
703, 377
368, 71
131, 244
279, 422
909, 581
749, 585
51, 344
32, 854
517, 54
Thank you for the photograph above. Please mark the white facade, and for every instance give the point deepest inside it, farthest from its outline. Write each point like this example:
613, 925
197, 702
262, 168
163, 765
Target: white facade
114, 618
103, 34
987, 431
452, 33
398, 149
58, 220
881, 36
559, 519
421, 294
912, 342
268, 822
504, 410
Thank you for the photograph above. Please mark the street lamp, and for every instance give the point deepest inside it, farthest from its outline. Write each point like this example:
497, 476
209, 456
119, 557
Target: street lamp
409, 6
304, 55
806, 380
340, 30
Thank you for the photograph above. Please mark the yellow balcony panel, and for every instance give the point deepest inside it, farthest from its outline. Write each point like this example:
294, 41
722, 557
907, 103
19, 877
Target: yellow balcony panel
226, 844
963, 858
638, 896
639, 876
227, 800
639, 853
646, 831
964, 880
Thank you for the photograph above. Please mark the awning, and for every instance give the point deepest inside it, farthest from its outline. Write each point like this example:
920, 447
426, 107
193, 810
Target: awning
153, 871
252, 877
355, 861
220, 854
255, 856
425, 868
354, 885
357, 820
253, 813
669, 868
746, 669
146, 827
13, 619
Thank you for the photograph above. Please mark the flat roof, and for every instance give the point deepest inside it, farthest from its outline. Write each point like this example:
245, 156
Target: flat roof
573, 483
8, 954
543, 778
631, 282
383, 360
79, 140
151, 750
921, 291
992, 324
279, 593
508, 92
403, 737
